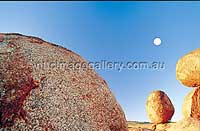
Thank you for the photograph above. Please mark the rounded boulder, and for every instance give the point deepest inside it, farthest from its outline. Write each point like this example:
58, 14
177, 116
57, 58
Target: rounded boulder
159, 107
188, 69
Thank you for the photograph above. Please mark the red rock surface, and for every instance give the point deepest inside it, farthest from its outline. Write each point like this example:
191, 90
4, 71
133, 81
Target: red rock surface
41, 90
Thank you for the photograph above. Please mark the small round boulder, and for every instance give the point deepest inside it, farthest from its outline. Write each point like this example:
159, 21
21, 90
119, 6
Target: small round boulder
188, 69
159, 107
191, 104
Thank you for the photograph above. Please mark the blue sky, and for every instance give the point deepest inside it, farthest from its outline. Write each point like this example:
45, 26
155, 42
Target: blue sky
117, 31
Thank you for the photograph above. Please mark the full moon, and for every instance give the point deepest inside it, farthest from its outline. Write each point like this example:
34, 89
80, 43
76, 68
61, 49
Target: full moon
157, 41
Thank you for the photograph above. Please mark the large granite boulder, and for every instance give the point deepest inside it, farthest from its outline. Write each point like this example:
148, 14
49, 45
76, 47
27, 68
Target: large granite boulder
159, 107
191, 104
47, 87
188, 69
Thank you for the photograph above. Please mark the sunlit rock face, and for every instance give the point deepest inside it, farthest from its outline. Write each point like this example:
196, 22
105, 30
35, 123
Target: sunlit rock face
188, 69
159, 107
189, 124
191, 104
41, 88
